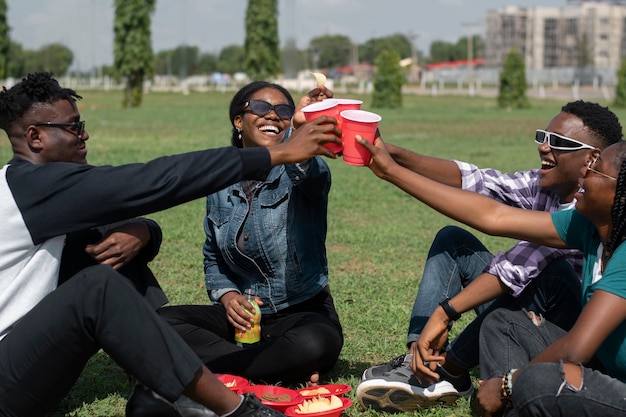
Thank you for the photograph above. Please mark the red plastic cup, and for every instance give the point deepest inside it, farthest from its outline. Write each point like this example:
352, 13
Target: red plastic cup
323, 108
364, 124
345, 104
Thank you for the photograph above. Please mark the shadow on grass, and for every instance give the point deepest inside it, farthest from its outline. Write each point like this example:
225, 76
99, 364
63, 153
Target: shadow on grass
100, 379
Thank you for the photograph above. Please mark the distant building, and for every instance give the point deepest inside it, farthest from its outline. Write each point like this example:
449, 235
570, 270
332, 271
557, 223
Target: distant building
581, 35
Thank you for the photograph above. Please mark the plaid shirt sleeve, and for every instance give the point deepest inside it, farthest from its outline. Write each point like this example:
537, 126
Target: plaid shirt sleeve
524, 261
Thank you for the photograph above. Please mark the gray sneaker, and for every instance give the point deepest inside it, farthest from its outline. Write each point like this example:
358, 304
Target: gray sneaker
399, 390
378, 370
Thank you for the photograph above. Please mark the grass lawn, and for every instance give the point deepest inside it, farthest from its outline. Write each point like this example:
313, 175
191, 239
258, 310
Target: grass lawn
378, 236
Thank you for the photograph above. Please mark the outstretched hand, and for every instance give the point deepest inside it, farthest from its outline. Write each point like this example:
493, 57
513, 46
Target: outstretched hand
307, 142
381, 162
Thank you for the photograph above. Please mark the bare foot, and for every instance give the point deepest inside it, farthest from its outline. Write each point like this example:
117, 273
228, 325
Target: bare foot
315, 378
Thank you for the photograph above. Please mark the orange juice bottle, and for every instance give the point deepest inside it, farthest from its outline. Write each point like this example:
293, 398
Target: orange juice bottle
253, 334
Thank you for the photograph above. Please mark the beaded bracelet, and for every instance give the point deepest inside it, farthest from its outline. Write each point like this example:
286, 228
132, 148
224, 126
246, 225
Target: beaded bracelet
504, 393
506, 387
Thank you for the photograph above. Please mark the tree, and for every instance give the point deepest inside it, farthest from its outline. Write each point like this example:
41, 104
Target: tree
512, 90
441, 51
330, 51
5, 40
388, 80
55, 58
231, 59
207, 63
133, 57
262, 53
16, 60
181, 61
373, 47
620, 88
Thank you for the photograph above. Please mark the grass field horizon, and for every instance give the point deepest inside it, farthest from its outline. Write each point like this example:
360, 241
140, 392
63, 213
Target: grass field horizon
378, 236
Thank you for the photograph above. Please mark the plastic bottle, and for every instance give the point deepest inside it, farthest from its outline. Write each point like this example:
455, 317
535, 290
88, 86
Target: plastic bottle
253, 334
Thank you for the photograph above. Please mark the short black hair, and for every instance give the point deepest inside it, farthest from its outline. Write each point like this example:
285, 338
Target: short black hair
600, 120
237, 104
38, 87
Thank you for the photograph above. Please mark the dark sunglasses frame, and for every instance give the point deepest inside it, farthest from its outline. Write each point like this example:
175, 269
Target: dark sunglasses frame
77, 128
262, 108
558, 142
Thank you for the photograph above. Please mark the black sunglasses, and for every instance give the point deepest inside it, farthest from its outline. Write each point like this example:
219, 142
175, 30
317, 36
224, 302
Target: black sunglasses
77, 128
261, 108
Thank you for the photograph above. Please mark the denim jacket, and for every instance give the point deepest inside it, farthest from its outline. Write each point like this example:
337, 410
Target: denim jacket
284, 234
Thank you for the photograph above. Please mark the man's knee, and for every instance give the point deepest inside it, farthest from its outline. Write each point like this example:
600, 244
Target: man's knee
97, 278
451, 234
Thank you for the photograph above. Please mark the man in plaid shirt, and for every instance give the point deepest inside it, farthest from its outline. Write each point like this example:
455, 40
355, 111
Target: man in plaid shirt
461, 274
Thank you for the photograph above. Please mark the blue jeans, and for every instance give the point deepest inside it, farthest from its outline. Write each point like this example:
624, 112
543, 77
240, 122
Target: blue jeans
508, 339
455, 259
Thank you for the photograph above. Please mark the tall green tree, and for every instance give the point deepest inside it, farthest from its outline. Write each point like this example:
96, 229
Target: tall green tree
262, 45
5, 40
133, 57
512, 89
620, 88
388, 80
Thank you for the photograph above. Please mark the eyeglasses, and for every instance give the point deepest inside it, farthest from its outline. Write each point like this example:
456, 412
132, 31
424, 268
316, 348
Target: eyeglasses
261, 108
558, 142
77, 128
591, 167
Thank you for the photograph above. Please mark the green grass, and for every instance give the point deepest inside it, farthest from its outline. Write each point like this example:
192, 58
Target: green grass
378, 236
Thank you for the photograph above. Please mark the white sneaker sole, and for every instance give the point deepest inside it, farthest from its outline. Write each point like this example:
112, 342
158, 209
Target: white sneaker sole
395, 397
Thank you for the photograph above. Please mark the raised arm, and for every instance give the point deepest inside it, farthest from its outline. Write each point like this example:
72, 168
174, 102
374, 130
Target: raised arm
441, 170
477, 211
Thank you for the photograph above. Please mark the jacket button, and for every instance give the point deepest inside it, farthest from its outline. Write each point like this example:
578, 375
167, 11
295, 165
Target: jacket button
246, 236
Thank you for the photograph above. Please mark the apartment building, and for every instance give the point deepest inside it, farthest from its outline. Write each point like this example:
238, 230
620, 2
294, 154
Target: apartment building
582, 34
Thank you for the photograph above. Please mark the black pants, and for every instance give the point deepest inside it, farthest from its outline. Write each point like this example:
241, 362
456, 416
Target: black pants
43, 355
295, 342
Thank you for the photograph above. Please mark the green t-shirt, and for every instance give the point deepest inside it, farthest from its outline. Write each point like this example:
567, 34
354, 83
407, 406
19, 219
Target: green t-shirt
579, 232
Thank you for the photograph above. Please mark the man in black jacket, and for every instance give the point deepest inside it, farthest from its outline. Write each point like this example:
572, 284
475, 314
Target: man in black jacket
47, 192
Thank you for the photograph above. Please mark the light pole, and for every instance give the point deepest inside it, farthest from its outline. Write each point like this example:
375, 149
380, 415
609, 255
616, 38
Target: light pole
414, 75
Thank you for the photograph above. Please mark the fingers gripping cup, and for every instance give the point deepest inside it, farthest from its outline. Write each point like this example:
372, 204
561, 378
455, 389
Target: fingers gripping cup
362, 123
323, 108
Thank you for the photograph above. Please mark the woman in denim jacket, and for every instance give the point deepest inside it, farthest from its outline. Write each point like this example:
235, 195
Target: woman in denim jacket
268, 236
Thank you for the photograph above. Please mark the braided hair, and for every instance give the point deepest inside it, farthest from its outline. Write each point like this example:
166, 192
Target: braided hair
238, 104
618, 211
36, 88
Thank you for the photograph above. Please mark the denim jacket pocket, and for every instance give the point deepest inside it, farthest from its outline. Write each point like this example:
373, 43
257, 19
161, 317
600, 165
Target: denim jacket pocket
218, 216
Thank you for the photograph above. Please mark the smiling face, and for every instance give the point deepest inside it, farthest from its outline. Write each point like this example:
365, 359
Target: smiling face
597, 191
560, 170
53, 143
265, 130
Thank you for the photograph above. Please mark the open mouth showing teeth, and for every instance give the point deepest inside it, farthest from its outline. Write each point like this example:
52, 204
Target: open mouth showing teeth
547, 165
270, 129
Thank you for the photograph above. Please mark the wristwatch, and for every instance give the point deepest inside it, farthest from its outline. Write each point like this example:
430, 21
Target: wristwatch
452, 314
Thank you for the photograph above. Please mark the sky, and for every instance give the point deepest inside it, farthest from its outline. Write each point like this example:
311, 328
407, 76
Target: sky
86, 26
